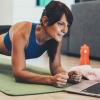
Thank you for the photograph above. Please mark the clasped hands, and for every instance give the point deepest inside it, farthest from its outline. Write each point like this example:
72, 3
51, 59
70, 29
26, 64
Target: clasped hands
61, 79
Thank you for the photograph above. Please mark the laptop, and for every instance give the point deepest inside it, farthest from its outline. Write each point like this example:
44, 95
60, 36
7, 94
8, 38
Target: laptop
86, 87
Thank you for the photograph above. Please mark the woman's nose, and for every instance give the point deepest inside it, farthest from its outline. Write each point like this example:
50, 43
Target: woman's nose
65, 30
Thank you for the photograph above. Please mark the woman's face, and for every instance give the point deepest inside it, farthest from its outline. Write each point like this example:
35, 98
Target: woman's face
58, 29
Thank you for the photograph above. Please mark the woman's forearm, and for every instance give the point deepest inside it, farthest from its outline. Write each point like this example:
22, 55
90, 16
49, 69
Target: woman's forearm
58, 80
31, 77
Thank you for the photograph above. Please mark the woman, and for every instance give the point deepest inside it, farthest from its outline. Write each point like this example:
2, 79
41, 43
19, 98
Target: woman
26, 40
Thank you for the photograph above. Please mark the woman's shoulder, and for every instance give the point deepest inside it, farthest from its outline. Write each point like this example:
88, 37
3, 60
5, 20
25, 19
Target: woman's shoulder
20, 29
23, 23
21, 26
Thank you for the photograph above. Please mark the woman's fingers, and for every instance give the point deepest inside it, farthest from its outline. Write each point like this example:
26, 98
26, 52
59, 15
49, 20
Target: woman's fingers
60, 84
61, 80
74, 77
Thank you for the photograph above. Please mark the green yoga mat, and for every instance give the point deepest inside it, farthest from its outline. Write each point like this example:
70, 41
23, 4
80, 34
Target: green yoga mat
9, 86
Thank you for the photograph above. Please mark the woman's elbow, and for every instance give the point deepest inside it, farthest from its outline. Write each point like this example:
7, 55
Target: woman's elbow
17, 74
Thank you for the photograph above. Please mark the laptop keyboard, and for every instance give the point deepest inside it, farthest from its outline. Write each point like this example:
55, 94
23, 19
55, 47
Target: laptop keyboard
93, 89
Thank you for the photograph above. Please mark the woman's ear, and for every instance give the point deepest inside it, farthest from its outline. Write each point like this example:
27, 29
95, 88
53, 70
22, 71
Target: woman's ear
45, 20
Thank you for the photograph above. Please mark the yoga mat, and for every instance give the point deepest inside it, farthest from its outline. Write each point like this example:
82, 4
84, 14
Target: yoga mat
9, 86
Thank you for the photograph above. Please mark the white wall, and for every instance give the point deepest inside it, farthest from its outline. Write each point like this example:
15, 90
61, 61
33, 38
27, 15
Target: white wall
6, 14
26, 10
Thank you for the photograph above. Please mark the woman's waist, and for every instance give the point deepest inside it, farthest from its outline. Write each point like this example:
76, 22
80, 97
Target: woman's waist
7, 42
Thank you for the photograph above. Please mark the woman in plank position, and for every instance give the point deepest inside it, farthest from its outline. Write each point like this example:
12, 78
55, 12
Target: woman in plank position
27, 40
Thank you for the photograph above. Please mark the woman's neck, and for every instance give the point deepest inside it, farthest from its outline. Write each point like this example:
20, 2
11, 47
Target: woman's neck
41, 35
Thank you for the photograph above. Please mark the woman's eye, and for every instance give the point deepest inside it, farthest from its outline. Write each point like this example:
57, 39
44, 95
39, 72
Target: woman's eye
59, 23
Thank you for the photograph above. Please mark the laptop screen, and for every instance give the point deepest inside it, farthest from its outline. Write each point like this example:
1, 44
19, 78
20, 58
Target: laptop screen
93, 89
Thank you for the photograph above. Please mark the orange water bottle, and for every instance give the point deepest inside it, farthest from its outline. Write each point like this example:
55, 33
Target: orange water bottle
84, 55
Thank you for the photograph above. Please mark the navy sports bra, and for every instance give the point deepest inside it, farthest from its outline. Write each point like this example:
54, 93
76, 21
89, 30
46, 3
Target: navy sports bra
33, 49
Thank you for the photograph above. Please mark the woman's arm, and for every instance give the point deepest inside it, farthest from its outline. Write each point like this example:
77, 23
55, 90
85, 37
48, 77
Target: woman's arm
54, 52
18, 60
60, 75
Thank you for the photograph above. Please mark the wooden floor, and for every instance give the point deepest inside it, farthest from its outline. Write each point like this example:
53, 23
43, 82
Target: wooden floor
67, 63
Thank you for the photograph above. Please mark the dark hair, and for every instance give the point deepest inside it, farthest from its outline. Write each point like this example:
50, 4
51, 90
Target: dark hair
54, 11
